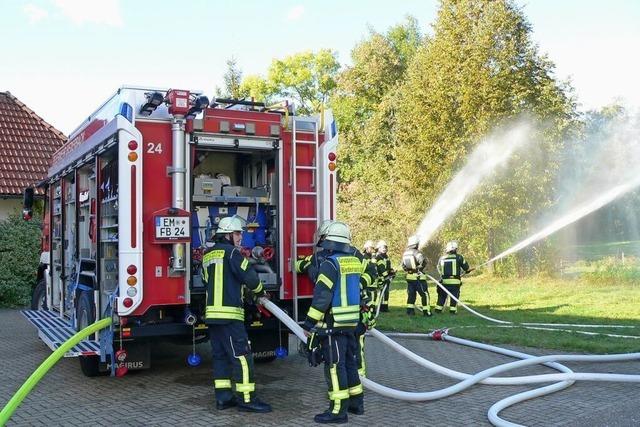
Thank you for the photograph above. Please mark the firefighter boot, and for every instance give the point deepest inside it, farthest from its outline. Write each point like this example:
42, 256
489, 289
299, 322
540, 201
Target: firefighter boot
426, 311
411, 312
356, 404
328, 417
226, 404
254, 405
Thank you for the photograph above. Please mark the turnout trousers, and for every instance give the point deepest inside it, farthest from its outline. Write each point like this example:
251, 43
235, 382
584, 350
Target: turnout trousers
232, 360
341, 371
442, 298
418, 287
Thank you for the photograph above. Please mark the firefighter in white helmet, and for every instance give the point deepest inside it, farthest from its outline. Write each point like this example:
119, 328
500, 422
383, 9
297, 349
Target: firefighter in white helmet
414, 263
311, 263
331, 323
369, 254
385, 273
225, 271
451, 267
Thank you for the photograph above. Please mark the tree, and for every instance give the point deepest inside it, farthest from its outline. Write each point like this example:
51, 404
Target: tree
306, 78
364, 107
232, 81
480, 69
19, 258
257, 88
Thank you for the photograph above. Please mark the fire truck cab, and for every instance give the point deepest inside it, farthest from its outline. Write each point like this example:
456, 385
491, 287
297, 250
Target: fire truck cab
134, 197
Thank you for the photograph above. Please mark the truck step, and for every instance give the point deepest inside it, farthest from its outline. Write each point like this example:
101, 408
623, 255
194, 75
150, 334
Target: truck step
55, 330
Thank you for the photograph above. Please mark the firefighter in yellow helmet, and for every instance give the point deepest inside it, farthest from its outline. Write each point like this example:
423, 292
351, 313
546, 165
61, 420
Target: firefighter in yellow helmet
414, 263
385, 273
451, 266
331, 323
225, 271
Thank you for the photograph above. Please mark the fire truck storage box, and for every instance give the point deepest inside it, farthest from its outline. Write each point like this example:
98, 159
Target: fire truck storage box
205, 189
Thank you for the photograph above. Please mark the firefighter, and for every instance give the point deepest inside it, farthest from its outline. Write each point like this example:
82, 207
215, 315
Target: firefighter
331, 323
451, 266
414, 263
310, 264
369, 249
369, 254
225, 271
385, 273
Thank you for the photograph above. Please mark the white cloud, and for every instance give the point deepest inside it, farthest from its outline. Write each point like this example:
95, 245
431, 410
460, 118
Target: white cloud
295, 13
105, 12
34, 13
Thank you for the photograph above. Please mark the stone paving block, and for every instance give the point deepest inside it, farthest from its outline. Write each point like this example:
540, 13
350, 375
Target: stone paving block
173, 394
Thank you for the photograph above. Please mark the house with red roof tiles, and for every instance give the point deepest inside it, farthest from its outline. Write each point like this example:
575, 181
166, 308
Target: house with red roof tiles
27, 143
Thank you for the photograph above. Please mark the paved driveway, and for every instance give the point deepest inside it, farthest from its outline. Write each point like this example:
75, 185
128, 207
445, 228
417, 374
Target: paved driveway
173, 394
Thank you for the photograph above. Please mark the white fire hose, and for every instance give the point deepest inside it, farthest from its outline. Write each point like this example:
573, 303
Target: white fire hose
566, 378
538, 326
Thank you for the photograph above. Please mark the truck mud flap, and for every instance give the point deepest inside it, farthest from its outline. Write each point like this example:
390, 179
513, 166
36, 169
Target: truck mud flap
265, 342
136, 356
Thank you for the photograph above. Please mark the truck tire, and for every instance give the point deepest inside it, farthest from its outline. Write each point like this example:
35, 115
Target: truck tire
85, 316
39, 297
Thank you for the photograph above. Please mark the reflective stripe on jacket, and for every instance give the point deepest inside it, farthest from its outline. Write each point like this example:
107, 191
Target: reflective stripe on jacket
450, 267
225, 270
336, 295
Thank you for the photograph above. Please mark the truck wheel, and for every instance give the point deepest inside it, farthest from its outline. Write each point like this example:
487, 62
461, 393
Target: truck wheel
85, 316
39, 297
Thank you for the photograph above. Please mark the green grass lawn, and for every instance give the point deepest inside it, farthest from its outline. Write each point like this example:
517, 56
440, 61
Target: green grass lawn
540, 300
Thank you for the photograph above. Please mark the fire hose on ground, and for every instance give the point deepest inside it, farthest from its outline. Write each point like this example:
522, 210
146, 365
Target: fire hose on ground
44, 367
537, 326
566, 378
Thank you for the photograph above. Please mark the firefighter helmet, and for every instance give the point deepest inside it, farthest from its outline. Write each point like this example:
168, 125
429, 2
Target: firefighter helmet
322, 231
413, 241
338, 232
452, 246
381, 246
368, 244
230, 224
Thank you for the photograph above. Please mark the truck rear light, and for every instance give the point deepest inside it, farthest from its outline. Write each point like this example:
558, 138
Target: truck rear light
332, 166
332, 157
132, 292
132, 269
133, 145
132, 156
274, 130
127, 302
132, 281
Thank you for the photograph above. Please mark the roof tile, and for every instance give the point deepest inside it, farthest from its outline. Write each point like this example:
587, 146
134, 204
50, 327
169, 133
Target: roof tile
27, 143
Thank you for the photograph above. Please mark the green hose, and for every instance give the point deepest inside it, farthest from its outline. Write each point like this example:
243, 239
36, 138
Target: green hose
31, 382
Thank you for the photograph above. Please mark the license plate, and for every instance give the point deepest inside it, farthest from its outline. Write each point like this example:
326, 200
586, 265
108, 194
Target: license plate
172, 227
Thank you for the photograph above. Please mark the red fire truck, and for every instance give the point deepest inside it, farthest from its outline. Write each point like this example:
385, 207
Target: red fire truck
133, 198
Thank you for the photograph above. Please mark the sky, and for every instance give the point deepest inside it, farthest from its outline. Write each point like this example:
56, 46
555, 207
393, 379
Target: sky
63, 58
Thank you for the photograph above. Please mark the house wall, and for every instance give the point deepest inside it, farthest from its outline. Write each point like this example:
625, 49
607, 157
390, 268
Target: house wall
9, 206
